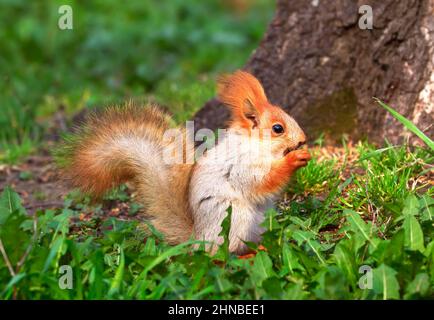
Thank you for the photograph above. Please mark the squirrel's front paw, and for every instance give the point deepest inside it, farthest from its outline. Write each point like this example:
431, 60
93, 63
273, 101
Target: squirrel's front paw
298, 158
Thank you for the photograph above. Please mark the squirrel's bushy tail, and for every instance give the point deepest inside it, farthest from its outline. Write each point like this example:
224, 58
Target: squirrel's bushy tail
124, 144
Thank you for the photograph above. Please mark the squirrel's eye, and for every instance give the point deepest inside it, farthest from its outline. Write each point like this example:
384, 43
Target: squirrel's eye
278, 129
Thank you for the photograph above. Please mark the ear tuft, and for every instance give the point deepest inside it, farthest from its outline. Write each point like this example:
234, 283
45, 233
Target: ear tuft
242, 93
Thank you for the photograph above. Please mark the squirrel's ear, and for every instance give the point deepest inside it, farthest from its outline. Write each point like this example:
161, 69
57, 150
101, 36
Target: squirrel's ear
244, 95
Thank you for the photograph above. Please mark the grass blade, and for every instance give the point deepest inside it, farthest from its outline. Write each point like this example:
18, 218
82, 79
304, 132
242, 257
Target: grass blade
408, 124
119, 275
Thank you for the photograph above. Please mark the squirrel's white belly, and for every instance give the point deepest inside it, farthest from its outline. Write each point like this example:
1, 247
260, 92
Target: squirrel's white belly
246, 225
215, 187
247, 218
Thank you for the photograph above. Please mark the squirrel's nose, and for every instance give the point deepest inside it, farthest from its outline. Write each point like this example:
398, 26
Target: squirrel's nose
301, 137
300, 144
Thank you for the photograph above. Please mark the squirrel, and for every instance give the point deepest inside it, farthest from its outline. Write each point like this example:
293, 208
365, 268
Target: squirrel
187, 200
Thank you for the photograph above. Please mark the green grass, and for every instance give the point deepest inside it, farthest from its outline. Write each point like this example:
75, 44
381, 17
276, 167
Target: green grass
375, 216
408, 124
164, 51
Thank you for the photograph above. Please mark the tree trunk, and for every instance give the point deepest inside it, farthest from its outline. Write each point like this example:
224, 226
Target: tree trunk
320, 66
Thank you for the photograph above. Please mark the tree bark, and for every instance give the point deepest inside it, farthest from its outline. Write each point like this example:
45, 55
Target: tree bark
323, 69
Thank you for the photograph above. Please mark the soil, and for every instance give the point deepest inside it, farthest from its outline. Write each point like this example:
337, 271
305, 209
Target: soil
36, 181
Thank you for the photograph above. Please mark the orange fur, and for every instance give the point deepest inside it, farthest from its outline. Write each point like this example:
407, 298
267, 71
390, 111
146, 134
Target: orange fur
282, 170
97, 164
124, 144
238, 89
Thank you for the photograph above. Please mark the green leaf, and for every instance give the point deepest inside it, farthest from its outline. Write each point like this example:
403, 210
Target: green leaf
273, 286
119, 275
413, 234
408, 124
427, 203
96, 276
358, 225
171, 252
295, 292
346, 261
411, 206
270, 222
10, 202
302, 236
221, 284
223, 251
289, 260
419, 287
385, 282
429, 254
331, 283
262, 267
75, 262
304, 224
307, 236
15, 238
150, 249
55, 250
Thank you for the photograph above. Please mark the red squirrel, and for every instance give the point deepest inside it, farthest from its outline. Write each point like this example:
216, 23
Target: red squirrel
190, 199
